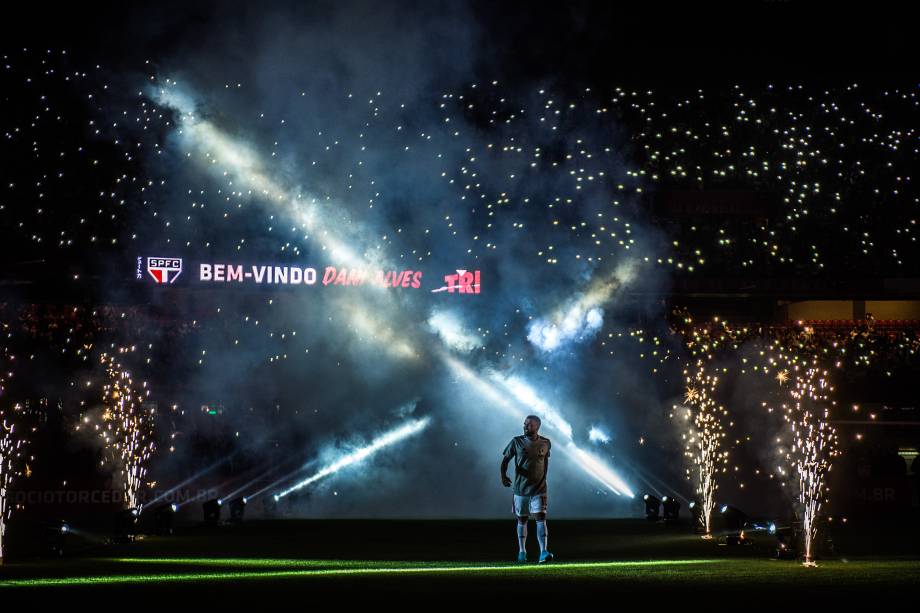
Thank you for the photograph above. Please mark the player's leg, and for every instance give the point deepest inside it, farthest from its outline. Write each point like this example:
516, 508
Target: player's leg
542, 534
522, 534
539, 513
520, 509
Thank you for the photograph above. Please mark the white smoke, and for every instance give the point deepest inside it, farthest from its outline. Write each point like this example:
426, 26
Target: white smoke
576, 325
580, 318
450, 329
598, 436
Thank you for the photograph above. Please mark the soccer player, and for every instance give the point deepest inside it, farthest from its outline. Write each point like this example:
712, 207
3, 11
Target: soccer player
530, 453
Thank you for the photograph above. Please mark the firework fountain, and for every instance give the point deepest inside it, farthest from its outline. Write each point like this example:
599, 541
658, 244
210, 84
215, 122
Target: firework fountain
813, 439
10, 451
12, 443
127, 426
703, 436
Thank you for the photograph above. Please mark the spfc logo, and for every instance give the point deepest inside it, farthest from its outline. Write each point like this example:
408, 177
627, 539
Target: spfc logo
164, 270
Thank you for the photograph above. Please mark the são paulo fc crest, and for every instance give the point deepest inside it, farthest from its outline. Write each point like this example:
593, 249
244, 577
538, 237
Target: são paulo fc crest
164, 270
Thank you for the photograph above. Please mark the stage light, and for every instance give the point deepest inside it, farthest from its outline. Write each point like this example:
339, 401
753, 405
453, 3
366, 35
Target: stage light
696, 513
237, 509
211, 511
652, 507
126, 525
734, 517
270, 506
55, 536
163, 517
671, 508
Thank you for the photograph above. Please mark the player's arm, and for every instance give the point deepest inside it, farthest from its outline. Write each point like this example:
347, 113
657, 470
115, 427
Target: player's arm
507, 454
505, 480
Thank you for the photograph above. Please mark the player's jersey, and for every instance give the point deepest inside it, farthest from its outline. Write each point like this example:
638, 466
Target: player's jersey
529, 464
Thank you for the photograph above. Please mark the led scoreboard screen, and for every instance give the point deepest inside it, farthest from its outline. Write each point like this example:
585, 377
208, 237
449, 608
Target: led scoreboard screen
167, 270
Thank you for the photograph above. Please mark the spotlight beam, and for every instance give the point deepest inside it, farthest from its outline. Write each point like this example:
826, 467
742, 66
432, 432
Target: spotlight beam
197, 475
584, 460
245, 165
248, 484
656, 483
283, 479
385, 440
203, 493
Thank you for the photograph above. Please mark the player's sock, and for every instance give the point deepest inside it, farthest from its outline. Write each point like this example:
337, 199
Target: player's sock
522, 536
542, 535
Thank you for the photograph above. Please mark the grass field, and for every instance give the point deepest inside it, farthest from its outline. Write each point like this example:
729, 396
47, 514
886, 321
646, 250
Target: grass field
366, 559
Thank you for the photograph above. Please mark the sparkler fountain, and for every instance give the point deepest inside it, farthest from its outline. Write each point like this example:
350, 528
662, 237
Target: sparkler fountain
127, 427
12, 443
813, 440
703, 438
10, 451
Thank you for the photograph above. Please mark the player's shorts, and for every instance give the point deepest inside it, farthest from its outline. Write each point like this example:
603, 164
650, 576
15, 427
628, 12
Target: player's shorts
522, 506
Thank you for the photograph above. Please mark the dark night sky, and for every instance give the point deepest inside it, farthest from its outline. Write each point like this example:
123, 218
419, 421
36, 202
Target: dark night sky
582, 40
